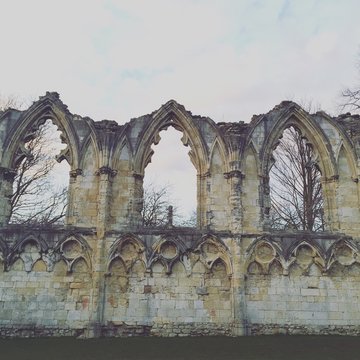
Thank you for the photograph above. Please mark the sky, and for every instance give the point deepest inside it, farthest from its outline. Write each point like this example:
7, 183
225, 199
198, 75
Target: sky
226, 59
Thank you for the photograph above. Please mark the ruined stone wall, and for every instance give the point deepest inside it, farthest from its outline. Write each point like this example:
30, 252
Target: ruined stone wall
104, 274
303, 289
174, 300
46, 284
295, 304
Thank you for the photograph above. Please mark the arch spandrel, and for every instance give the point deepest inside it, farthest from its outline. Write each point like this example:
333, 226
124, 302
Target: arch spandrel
346, 153
218, 149
123, 153
340, 141
89, 154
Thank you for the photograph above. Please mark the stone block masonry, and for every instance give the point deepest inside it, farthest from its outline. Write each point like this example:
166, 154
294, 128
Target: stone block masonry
103, 274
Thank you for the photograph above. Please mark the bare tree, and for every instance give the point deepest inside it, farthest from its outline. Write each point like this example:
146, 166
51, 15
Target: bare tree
36, 199
296, 192
351, 97
10, 102
159, 209
155, 206
191, 221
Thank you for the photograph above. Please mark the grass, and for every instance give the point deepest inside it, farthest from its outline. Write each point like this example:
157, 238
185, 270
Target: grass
219, 348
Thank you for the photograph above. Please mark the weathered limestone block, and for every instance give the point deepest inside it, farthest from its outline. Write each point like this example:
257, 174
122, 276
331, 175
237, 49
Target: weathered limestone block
103, 273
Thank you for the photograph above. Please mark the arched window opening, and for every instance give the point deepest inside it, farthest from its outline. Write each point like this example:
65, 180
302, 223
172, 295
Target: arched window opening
296, 193
170, 185
40, 185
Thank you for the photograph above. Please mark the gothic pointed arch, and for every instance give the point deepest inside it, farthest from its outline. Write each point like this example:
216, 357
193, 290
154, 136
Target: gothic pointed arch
267, 241
311, 129
47, 107
251, 187
123, 153
344, 251
38, 241
129, 249
295, 116
175, 115
346, 161
250, 158
167, 250
305, 253
29, 249
218, 190
107, 134
89, 149
211, 249
347, 192
264, 252
218, 150
72, 248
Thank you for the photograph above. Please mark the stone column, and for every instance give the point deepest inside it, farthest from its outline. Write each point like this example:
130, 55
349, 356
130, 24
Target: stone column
235, 178
238, 283
200, 206
6, 189
329, 188
265, 203
105, 174
204, 212
136, 201
71, 212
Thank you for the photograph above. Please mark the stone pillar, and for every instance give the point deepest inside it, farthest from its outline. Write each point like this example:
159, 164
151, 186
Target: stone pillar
235, 178
136, 201
71, 212
238, 283
98, 288
6, 189
329, 189
105, 174
201, 200
265, 203
204, 211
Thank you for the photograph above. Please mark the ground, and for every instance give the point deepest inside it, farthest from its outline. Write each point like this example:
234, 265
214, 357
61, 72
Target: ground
200, 348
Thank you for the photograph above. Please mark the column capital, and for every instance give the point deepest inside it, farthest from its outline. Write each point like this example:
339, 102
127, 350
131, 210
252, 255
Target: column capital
75, 173
106, 170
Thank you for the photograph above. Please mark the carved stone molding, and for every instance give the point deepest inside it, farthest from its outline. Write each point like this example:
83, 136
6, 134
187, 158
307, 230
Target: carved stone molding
75, 173
138, 176
333, 178
106, 170
205, 175
234, 174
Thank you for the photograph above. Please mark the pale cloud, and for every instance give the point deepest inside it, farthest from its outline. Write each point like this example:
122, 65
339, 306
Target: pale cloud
224, 59
171, 165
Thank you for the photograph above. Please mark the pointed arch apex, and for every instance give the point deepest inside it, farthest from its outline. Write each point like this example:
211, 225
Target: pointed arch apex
175, 115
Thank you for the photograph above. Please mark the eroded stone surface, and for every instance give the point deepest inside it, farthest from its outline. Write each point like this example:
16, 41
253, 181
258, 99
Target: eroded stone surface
103, 274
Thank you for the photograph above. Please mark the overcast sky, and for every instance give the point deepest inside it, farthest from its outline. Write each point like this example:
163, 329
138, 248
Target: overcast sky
225, 59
